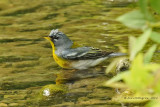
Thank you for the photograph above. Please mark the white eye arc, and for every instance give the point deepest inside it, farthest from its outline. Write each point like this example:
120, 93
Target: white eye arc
55, 39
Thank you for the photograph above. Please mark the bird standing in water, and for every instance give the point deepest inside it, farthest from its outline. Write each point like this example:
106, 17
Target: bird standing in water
68, 56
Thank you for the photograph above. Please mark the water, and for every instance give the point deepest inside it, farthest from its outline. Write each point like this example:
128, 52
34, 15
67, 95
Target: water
26, 63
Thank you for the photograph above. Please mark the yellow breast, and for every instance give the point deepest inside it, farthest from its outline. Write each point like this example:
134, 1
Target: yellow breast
60, 61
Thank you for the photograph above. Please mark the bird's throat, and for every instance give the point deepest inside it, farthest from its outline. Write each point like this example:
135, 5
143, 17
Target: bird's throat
52, 44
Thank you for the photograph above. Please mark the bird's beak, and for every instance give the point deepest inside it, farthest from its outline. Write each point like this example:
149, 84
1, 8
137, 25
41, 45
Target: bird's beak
52, 44
47, 37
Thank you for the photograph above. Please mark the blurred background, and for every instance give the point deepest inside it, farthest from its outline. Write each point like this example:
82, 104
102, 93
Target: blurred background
26, 63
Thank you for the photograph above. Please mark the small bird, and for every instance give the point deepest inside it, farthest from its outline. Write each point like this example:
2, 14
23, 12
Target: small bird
68, 55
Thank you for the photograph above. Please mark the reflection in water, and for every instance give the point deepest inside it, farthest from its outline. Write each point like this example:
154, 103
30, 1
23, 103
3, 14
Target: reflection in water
70, 76
76, 85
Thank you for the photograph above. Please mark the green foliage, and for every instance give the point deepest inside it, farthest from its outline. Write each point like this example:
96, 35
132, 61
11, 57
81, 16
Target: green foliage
153, 104
149, 54
112, 66
134, 19
143, 4
157, 81
139, 43
117, 78
155, 36
143, 77
140, 77
155, 5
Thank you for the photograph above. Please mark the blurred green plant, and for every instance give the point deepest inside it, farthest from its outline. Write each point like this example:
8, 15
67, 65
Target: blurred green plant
143, 76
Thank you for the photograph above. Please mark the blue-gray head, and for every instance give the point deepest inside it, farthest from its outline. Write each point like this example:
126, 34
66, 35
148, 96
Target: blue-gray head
60, 40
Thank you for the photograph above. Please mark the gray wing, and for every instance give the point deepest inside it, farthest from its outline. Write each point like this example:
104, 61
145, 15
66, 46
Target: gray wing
84, 53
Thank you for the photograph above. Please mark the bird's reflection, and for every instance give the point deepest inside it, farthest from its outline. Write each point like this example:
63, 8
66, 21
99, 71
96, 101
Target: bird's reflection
70, 76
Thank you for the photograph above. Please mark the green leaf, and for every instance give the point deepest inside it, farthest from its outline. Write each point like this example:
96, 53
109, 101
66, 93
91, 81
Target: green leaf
155, 36
152, 67
132, 41
153, 103
143, 4
118, 77
155, 4
134, 19
149, 54
140, 77
157, 82
137, 63
139, 43
157, 88
111, 67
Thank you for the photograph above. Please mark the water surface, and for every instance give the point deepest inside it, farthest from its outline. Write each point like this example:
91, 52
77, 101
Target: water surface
26, 63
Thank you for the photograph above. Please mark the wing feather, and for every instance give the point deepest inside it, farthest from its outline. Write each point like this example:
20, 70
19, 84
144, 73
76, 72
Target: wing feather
85, 53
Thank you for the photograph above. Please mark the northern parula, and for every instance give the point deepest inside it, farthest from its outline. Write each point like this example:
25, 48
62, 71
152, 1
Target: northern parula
68, 56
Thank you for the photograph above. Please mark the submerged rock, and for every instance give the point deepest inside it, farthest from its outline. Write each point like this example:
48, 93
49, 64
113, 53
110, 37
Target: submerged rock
52, 94
122, 65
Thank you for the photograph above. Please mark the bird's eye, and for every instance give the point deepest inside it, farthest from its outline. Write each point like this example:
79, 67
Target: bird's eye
56, 37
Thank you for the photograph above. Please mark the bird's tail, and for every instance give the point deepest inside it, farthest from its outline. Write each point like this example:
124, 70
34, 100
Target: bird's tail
117, 54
